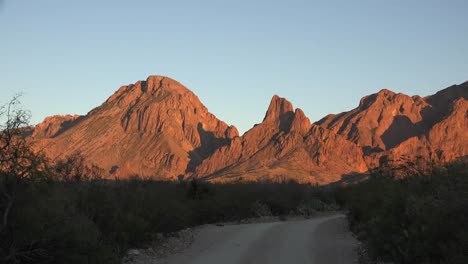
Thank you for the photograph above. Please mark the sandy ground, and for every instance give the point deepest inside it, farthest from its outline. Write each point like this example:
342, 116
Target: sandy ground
318, 240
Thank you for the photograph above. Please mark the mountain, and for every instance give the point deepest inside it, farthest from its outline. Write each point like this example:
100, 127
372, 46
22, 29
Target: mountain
284, 146
389, 126
155, 127
52, 126
159, 128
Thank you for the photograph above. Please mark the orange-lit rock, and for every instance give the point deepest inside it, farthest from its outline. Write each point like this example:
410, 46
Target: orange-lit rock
285, 146
160, 128
393, 127
52, 126
155, 128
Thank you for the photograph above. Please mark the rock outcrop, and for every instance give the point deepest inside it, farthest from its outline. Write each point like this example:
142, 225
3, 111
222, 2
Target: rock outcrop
389, 126
154, 128
158, 128
285, 146
53, 126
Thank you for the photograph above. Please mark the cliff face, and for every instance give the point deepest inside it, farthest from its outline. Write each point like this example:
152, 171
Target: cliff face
284, 146
155, 127
160, 128
381, 121
388, 126
53, 126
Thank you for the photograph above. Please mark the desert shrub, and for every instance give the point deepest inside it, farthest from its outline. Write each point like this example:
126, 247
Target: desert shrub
417, 219
47, 227
97, 221
260, 209
310, 207
64, 212
75, 168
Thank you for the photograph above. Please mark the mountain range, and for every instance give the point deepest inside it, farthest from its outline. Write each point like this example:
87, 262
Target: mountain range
159, 128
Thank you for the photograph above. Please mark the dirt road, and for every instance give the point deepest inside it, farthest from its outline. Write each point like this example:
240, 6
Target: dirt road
318, 240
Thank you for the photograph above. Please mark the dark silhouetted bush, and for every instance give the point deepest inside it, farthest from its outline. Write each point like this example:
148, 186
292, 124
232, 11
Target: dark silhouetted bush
422, 218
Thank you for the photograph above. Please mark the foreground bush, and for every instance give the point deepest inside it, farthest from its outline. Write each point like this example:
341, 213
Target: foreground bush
417, 219
65, 213
97, 221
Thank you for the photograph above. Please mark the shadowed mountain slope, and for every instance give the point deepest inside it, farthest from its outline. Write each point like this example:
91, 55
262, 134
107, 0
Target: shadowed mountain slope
155, 127
284, 146
158, 128
389, 126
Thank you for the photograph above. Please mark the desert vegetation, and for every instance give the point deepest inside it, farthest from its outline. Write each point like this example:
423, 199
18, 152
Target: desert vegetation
411, 214
96, 221
65, 212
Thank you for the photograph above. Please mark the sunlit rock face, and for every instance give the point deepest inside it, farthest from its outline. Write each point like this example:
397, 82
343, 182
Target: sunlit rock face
285, 146
52, 126
158, 128
155, 128
390, 126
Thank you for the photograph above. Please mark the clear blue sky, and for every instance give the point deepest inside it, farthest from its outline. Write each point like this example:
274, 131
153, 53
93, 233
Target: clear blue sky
69, 56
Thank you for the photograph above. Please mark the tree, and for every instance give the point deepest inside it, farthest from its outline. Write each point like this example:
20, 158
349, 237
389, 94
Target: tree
18, 163
75, 168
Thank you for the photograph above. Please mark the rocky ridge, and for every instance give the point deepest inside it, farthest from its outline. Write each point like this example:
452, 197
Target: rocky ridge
151, 128
158, 128
389, 126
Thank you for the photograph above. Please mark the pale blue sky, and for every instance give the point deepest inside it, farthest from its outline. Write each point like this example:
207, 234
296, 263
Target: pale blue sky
69, 56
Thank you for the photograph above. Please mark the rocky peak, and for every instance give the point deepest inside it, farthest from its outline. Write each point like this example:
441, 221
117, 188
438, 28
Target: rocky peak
300, 122
157, 127
382, 95
442, 100
156, 82
450, 94
279, 115
154, 86
284, 146
279, 106
231, 132
385, 92
161, 104
54, 125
